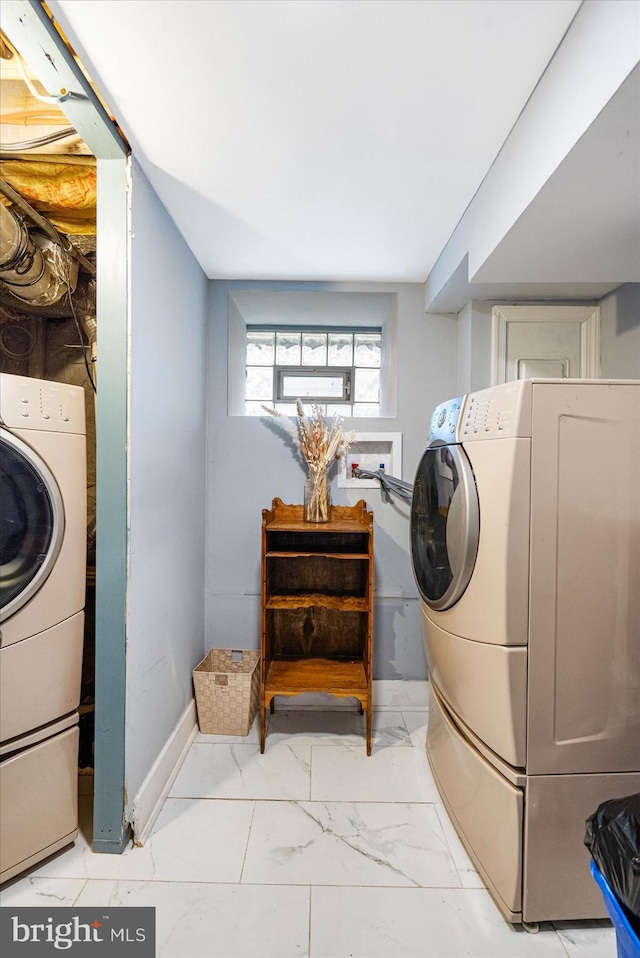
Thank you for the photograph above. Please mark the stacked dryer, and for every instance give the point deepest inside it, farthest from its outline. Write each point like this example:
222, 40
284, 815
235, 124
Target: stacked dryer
525, 537
42, 595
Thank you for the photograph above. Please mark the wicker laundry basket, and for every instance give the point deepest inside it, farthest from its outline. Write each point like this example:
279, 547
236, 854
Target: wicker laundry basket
227, 686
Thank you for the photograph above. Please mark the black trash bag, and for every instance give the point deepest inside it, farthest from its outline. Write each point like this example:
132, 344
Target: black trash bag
613, 837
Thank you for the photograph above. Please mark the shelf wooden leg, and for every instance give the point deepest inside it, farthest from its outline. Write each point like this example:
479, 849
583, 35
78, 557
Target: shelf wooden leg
263, 715
369, 730
272, 705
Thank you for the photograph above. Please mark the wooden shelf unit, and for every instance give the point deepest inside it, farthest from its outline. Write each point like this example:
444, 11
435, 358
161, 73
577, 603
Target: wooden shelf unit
317, 606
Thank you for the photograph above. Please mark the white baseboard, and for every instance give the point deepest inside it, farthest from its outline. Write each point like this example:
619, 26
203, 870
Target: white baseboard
153, 792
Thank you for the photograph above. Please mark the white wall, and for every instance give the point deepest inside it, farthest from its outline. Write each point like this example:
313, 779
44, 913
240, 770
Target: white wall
167, 438
249, 464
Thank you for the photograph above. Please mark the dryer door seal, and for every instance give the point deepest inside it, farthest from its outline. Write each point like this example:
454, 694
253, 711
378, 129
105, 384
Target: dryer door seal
445, 525
31, 523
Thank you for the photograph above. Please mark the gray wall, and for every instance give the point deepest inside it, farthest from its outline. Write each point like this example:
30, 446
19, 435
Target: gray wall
474, 347
620, 333
165, 605
249, 463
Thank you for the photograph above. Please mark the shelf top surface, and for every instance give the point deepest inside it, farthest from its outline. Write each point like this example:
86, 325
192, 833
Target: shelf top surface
334, 525
289, 518
322, 554
316, 674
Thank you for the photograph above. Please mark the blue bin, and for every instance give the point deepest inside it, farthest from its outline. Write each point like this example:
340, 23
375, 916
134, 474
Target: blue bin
627, 941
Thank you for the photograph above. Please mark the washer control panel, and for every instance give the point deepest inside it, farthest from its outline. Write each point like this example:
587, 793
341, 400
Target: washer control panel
500, 412
39, 404
444, 421
485, 417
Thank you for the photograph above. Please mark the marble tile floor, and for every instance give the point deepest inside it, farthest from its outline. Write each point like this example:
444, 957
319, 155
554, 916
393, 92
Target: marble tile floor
311, 850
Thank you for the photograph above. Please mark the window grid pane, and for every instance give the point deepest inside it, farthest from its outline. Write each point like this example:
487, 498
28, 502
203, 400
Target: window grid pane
255, 408
344, 410
286, 408
259, 383
314, 349
260, 348
288, 349
367, 385
366, 410
368, 349
340, 349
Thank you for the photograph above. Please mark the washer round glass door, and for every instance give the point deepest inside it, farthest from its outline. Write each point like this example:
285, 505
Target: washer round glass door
445, 525
31, 523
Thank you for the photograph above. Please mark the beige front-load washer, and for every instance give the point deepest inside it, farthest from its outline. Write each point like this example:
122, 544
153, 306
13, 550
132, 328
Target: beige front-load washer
525, 540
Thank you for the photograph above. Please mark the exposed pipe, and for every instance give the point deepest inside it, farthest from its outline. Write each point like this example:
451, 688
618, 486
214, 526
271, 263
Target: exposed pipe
45, 225
89, 325
39, 273
38, 141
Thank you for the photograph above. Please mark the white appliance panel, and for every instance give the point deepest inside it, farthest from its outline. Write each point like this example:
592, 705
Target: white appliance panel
486, 809
585, 575
39, 801
485, 684
41, 677
557, 880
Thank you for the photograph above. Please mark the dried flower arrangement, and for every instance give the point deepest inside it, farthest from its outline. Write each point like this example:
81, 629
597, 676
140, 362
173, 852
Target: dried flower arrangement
320, 441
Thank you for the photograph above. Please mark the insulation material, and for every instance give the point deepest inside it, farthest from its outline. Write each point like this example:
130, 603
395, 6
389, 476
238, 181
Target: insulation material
63, 192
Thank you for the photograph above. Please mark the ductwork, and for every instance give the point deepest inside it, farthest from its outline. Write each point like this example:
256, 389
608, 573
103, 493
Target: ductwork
33, 267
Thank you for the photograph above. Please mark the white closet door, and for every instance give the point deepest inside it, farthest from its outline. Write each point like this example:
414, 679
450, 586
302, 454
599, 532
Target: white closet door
557, 342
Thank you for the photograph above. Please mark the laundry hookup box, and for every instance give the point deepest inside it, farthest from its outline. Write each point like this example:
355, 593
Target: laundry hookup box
227, 687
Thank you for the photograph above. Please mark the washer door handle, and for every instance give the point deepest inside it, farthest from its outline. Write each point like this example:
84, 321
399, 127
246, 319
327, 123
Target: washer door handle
456, 534
463, 528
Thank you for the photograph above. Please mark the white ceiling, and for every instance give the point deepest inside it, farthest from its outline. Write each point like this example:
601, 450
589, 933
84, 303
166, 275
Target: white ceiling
316, 139
579, 237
